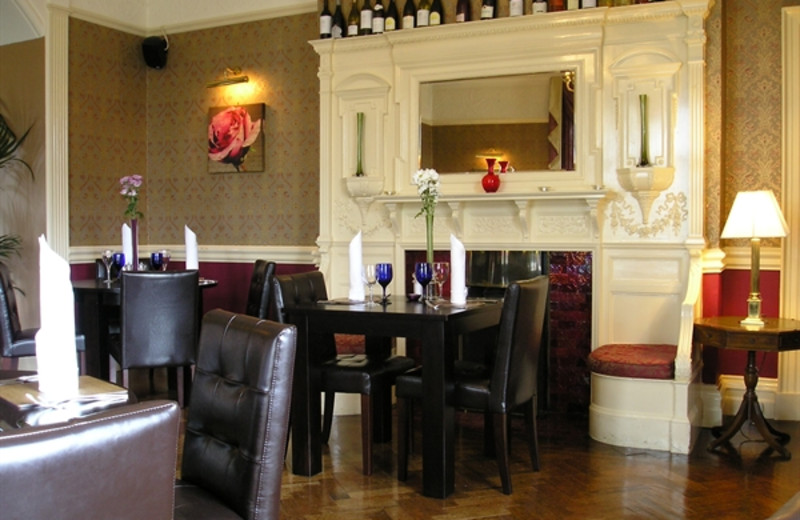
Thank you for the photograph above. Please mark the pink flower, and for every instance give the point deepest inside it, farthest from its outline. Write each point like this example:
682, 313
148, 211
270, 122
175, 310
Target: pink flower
230, 134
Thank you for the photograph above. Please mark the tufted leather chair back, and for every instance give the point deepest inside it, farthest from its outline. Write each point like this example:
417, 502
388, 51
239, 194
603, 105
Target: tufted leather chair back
258, 297
513, 379
304, 288
238, 417
115, 464
159, 318
9, 317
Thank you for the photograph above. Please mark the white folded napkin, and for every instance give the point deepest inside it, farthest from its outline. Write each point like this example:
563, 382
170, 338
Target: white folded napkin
56, 353
127, 243
458, 272
356, 267
192, 261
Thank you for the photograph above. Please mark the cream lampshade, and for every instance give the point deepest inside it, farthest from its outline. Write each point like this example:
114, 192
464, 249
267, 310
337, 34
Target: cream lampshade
755, 215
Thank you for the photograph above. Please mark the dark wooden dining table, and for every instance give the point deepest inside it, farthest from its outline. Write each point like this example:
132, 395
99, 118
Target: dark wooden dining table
438, 330
96, 302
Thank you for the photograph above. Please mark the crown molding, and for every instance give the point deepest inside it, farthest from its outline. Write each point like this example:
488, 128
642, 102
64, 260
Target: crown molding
151, 17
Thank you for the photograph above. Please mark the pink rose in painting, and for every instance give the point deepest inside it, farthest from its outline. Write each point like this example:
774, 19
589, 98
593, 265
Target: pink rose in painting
230, 134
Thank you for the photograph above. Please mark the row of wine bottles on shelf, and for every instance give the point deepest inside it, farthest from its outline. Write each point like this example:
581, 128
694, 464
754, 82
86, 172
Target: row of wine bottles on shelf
374, 19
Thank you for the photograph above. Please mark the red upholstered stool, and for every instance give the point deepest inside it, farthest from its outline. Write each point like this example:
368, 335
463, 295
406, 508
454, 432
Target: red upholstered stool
638, 360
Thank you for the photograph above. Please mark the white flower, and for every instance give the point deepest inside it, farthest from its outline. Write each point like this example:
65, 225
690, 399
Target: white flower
428, 185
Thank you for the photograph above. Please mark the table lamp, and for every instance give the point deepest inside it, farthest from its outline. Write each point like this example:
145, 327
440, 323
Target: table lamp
755, 215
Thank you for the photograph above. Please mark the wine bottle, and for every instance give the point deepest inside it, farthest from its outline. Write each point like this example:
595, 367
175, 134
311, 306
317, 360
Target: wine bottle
325, 21
463, 11
365, 26
338, 27
378, 19
354, 20
409, 14
488, 9
555, 5
390, 19
539, 6
515, 8
437, 13
424, 13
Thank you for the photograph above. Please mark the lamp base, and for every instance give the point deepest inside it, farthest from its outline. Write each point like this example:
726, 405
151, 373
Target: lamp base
753, 318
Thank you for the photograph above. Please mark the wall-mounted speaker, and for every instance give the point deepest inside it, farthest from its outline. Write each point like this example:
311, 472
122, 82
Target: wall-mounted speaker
154, 50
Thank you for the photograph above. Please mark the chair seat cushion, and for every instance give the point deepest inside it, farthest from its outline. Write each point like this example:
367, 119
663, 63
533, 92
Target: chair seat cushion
24, 344
350, 343
643, 361
409, 385
356, 373
195, 503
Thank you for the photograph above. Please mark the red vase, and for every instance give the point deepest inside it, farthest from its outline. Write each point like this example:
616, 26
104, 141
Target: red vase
490, 181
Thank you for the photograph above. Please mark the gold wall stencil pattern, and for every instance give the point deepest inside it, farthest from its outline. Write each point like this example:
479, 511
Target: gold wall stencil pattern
158, 121
106, 130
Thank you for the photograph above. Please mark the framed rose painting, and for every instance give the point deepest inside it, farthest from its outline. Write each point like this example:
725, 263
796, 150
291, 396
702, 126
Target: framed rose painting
236, 139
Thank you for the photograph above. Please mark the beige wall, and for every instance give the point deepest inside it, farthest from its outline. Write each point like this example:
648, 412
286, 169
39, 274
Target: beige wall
22, 198
126, 118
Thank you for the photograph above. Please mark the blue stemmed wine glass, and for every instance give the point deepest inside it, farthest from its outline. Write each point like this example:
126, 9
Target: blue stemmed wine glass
424, 274
157, 261
383, 272
119, 263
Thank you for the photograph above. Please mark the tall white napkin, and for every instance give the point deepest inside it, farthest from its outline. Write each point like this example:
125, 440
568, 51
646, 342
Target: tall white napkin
190, 237
356, 266
56, 351
458, 272
127, 243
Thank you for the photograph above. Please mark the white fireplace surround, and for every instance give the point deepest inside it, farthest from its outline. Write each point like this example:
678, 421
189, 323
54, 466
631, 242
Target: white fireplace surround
644, 253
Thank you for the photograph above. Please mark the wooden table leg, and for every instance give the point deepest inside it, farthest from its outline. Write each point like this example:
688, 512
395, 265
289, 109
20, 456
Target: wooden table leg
750, 410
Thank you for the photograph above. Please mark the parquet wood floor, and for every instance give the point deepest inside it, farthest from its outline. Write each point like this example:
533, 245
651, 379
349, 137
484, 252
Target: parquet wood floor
579, 479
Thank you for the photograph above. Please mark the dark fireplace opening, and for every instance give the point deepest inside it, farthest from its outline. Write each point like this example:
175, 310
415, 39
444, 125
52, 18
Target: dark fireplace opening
563, 371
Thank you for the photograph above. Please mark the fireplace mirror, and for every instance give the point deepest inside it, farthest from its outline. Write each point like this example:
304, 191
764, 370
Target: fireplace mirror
525, 119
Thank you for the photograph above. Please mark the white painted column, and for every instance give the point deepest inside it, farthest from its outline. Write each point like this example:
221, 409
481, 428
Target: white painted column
57, 133
787, 401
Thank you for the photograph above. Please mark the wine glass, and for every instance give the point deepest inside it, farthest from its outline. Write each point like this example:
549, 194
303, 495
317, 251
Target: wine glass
441, 270
157, 261
119, 263
108, 259
384, 275
165, 256
370, 279
424, 273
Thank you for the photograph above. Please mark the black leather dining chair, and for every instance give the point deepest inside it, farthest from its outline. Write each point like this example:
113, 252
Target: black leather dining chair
237, 420
511, 384
259, 296
16, 342
363, 374
159, 323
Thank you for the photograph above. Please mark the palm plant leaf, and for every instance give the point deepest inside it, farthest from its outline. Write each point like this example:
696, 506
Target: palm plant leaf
9, 145
9, 245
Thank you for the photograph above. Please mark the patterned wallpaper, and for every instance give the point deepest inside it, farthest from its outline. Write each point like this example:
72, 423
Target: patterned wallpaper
107, 128
747, 70
126, 118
